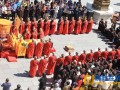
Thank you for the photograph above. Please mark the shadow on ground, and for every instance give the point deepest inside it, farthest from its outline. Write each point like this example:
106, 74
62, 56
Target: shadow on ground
104, 39
118, 4
25, 74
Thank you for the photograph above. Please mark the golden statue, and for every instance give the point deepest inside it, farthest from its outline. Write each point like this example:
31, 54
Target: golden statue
101, 5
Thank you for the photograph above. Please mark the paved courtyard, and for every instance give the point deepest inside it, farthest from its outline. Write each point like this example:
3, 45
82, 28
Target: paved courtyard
16, 72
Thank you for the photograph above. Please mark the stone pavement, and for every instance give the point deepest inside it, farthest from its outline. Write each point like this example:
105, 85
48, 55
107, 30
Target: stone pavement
16, 72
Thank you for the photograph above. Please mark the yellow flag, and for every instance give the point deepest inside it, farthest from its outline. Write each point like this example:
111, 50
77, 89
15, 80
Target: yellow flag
17, 22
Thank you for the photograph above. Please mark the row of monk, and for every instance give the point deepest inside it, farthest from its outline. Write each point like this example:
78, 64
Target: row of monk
46, 27
83, 58
39, 49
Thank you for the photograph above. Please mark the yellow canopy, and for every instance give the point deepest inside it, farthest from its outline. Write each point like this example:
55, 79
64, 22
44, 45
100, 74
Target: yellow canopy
5, 26
5, 22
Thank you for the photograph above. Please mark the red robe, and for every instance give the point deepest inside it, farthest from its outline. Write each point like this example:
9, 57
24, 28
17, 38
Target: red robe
46, 49
84, 26
77, 29
39, 49
82, 58
60, 27
75, 57
89, 56
112, 54
33, 68
22, 27
59, 60
65, 27
30, 50
42, 25
34, 35
104, 54
52, 27
28, 25
46, 27
71, 26
42, 67
67, 60
96, 55
40, 34
118, 53
27, 36
89, 27
51, 65
34, 24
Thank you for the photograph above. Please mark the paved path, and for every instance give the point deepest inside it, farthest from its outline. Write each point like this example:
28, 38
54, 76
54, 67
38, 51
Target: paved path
16, 71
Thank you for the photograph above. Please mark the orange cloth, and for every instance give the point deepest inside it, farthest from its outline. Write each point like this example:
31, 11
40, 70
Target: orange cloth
90, 25
42, 25
84, 26
46, 27
78, 25
17, 22
33, 68
34, 35
52, 27
65, 27
71, 26
28, 25
22, 28
30, 50
59, 60
96, 55
112, 54
60, 27
90, 56
51, 65
46, 49
104, 54
82, 58
39, 49
42, 67
27, 36
41, 34
67, 60
75, 57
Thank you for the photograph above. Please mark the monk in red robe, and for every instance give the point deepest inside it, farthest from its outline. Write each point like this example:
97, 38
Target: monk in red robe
39, 49
90, 25
27, 34
60, 59
22, 26
42, 66
82, 57
34, 23
97, 54
60, 26
46, 27
84, 26
68, 59
66, 26
41, 24
46, 49
89, 56
104, 54
71, 26
78, 25
118, 53
28, 24
33, 67
40, 33
75, 57
51, 64
112, 54
52, 27
34, 34
30, 50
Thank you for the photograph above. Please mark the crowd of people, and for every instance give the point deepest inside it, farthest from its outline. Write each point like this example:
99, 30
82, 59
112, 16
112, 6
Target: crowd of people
52, 9
71, 72
113, 33
38, 29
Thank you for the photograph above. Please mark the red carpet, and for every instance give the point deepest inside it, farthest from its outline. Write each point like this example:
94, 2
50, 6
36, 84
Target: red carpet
11, 59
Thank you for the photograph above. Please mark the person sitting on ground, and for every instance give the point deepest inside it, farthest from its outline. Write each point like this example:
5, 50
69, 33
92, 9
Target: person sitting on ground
18, 87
